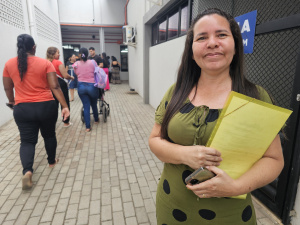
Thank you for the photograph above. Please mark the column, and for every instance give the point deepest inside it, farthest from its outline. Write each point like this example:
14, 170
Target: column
102, 40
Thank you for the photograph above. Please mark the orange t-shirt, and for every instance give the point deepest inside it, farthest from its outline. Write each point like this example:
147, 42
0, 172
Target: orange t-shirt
34, 87
56, 64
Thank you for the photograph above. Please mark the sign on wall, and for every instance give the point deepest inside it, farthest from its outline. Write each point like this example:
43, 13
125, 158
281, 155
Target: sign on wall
247, 23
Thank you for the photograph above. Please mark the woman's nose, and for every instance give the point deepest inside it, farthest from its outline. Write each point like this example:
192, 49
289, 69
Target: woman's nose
212, 42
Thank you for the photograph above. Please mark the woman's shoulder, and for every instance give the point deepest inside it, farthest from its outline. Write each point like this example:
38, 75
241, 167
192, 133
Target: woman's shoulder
11, 61
56, 62
36, 58
169, 92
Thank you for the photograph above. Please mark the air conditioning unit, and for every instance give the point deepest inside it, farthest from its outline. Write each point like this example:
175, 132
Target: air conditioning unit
129, 34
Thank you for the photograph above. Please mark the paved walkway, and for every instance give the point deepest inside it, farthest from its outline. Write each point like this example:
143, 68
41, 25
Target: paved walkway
108, 176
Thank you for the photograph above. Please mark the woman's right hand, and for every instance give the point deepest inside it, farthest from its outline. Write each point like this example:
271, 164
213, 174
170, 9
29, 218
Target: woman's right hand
65, 113
200, 156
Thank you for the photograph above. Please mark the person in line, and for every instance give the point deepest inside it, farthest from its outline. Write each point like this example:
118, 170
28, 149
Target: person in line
94, 56
105, 66
87, 92
211, 67
115, 70
109, 69
53, 56
73, 83
33, 78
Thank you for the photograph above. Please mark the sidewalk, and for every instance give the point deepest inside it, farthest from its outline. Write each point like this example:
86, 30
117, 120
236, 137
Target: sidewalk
107, 176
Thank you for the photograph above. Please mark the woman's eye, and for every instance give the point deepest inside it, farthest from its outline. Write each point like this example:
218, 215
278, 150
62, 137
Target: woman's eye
222, 35
201, 39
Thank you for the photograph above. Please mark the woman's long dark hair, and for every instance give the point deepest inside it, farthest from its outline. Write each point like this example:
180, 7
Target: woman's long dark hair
189, 72
84, 54
25, 44
105, 60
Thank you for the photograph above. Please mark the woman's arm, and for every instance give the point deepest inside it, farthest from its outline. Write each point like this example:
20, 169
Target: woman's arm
64, 72
9, 89
55, 88
261, 173
193, 156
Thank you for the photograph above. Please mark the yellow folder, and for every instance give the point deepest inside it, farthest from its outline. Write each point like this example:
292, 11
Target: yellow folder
245, 129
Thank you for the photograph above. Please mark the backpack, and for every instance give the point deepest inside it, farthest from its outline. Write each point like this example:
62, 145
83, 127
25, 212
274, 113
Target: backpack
99, 76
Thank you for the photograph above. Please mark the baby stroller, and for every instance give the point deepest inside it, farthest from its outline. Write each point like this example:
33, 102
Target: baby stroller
103, 107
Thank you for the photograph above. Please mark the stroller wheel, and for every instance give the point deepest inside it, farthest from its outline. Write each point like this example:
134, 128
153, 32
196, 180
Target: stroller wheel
82, 115
108, 109
104, 114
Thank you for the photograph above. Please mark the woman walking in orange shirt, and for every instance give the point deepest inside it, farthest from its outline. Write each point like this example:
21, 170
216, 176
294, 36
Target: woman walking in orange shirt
61, 71
33, 79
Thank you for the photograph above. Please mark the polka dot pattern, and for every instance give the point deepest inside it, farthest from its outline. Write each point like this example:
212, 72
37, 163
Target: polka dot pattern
247, 213
179, 215
166, 187
207, 214
185, 174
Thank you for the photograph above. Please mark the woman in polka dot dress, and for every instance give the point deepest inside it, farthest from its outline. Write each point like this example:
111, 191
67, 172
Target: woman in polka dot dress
211, 66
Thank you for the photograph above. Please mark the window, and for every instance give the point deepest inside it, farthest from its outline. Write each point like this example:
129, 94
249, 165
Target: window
173, 26
162, 31
124, 58
155, 34
184, 20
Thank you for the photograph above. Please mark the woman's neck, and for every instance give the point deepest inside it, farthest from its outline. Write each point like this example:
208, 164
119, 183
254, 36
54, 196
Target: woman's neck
30, 54
214, 81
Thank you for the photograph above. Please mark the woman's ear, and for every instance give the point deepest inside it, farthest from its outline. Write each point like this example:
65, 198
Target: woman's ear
34, 49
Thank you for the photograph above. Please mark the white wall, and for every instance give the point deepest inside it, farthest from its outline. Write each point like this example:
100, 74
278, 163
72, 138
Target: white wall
50, 10
164, 63
135, 11
110, 12
8, 42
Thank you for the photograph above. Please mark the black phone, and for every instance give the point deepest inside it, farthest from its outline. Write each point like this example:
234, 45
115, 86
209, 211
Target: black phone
199, 175
11, 106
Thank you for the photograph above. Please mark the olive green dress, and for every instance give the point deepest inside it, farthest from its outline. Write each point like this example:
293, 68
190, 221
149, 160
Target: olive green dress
175, 204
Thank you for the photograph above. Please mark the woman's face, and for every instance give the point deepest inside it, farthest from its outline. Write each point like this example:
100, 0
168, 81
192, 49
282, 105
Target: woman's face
213, 44
73, 58
56, 55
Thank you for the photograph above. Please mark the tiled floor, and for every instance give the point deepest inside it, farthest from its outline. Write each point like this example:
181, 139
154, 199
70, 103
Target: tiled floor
107, 176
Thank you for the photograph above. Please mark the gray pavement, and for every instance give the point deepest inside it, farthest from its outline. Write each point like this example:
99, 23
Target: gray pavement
107, 176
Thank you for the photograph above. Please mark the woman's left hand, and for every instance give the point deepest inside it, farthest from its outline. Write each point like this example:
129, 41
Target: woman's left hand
222, 185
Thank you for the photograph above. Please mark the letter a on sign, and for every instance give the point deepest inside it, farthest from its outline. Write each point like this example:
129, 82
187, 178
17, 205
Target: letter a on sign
247, 23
